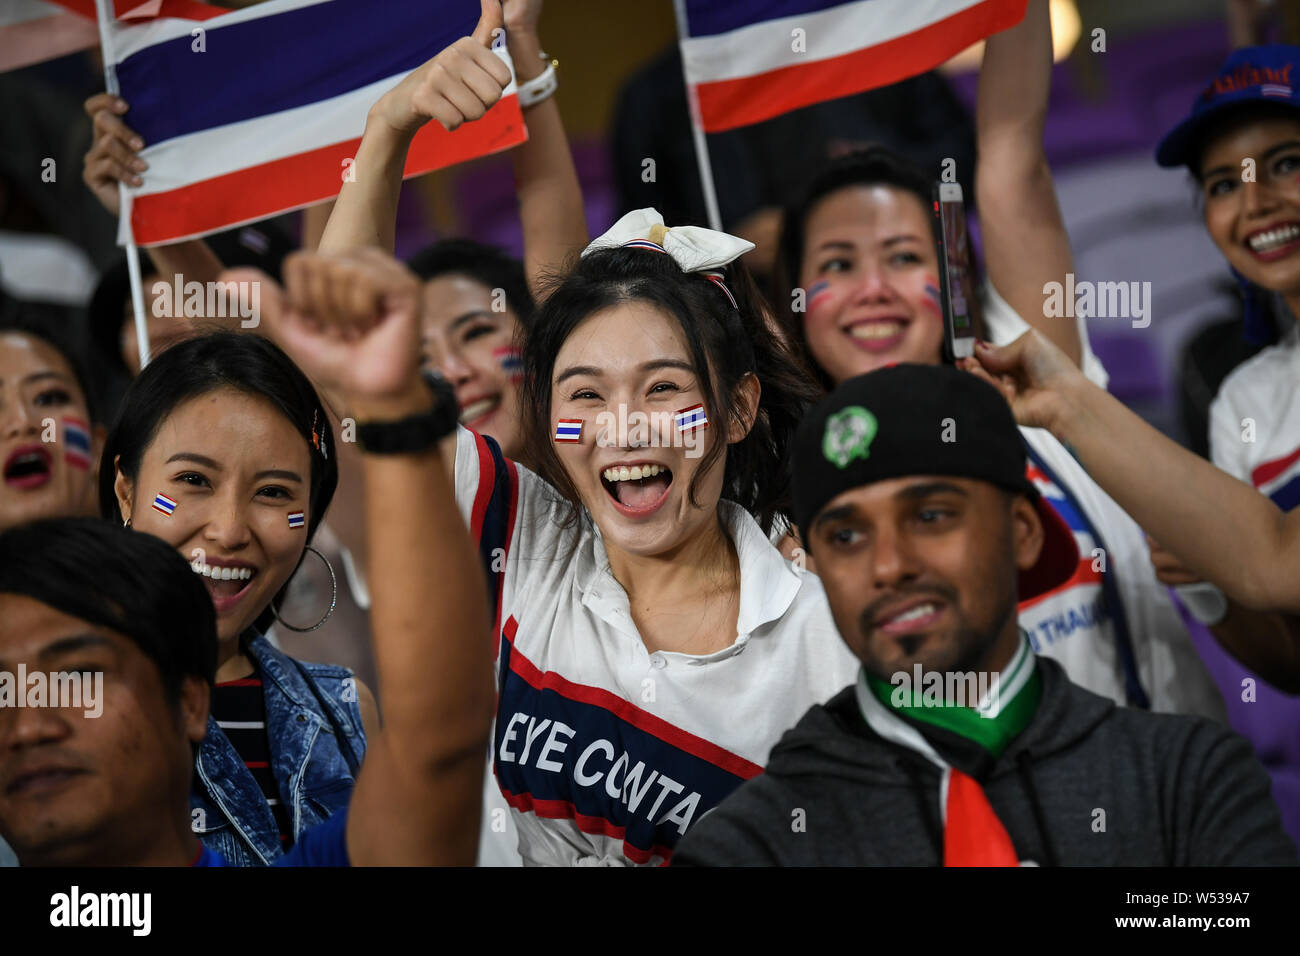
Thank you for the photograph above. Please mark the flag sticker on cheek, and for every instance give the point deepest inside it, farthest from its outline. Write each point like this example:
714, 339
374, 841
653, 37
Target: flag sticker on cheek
689, 419
932, 298
568, 430
297, 519
163, 504
511, 361
76, 443
819, 293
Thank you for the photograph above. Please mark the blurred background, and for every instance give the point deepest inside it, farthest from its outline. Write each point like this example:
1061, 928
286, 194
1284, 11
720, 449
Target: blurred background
623, 100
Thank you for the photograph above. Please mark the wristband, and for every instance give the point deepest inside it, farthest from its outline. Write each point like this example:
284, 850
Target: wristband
1205, 602
540, 87
417, 432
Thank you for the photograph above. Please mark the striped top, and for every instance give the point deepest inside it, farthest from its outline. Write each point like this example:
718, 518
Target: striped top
240, 711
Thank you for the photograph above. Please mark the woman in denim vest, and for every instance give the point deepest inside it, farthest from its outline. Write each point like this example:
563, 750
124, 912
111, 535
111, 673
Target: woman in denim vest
222, 449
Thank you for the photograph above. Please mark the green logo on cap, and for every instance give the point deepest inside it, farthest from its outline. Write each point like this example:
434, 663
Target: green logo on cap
849, 433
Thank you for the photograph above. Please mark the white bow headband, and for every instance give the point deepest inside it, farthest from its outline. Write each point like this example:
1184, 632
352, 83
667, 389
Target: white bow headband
693, 248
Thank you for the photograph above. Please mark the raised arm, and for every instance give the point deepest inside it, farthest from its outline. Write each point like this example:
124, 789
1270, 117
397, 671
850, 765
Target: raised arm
1025, 243
114, 158
459, 84
1220, 528
550, 199
418, 794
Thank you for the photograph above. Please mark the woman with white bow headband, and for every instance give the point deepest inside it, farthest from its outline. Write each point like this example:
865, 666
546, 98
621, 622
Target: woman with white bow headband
652, 643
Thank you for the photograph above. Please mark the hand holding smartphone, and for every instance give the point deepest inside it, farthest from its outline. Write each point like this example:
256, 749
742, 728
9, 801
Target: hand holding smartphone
956, 280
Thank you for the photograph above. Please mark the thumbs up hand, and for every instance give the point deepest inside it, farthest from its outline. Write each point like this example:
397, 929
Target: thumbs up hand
458, 85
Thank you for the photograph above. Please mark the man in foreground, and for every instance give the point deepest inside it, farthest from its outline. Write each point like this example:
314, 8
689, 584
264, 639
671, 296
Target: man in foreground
956, 746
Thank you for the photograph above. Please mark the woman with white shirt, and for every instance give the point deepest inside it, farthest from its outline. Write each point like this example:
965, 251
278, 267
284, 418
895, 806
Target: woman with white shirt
1241, 144
652, 643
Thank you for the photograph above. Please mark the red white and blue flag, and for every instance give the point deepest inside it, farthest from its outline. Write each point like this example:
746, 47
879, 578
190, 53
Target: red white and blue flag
76, 443
512, 361
1280, 480
253, 112
164, 504
568, 430
689, 419
750, 60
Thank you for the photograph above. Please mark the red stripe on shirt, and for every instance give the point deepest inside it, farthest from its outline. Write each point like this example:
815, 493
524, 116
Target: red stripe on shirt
510, 537
628, 712
487, 474
1266, 472
564, 810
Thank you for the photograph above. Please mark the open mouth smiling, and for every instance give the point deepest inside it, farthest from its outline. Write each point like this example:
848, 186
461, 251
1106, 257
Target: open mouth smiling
1275, 241
228, 582
637, 489
478, 409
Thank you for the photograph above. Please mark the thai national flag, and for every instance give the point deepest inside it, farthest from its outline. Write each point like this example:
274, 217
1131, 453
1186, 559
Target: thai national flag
512, 361
76, 443
818, 293
297, 519
691, 418
248, 113
568, 430
932, 295
750, 60
1280, 480
164, 504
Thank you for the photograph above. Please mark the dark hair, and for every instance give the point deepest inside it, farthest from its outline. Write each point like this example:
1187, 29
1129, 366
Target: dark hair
725, 343
488, 265
57, 340
261, 245
874, 166
129, 582
247, 363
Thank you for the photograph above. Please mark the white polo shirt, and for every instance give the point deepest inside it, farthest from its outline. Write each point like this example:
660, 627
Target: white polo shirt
605, 752
1109, 635
1255, 422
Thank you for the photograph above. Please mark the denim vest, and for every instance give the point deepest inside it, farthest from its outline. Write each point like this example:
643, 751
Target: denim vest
310, 762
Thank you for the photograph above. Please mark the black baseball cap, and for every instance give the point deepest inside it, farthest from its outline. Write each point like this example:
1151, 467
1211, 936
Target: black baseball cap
893, 422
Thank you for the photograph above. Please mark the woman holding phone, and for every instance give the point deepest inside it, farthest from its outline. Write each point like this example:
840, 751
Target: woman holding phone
860, 243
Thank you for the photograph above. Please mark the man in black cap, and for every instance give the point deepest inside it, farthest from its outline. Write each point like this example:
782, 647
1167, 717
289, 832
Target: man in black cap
957, 746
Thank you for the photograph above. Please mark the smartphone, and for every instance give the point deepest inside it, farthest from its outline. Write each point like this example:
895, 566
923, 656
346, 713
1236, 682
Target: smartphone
956, 279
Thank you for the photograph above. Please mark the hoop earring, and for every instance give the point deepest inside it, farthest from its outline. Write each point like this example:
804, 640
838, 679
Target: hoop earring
334, 596
126, 522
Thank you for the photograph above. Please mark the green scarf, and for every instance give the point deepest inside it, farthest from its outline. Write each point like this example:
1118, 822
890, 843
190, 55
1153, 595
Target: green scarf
1007, 709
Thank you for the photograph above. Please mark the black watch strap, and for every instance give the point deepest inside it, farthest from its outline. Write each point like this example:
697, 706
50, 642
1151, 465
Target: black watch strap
417, 432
